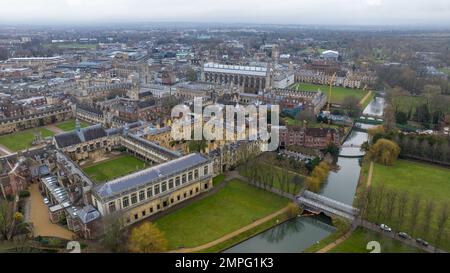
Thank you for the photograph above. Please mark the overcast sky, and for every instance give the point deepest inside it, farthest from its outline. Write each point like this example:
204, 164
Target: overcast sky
328, 12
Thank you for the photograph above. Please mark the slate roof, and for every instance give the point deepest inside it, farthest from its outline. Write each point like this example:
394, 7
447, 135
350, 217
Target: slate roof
67, 139
93, 132
76, 137
88, 214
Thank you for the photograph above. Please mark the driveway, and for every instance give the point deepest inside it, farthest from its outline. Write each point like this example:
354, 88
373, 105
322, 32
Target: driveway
40, 218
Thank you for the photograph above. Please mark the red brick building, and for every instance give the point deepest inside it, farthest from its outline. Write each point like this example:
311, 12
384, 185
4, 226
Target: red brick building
318, 138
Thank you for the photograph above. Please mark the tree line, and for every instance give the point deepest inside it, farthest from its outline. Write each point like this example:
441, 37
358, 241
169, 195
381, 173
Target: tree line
405, 211
429, 110
265, 176
431, 148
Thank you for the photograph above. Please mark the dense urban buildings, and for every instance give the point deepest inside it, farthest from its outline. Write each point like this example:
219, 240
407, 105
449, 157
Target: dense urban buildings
90, 149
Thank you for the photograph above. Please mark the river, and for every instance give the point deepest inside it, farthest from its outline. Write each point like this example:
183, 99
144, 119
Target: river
298, 234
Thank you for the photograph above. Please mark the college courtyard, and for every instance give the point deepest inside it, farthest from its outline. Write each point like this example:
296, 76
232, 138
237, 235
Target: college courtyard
115, 166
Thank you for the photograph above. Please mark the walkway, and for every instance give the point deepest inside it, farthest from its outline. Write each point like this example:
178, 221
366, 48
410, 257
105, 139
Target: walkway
393, 235
228, 177
318, 203
232, 234
55, 129
5, 151
363, 100
40, 218
369, 176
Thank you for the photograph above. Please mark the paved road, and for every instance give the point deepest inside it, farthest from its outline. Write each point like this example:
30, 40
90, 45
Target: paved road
393, 235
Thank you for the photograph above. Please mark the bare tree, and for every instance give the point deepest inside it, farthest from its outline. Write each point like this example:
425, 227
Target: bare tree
113, 236
378, 201
364, 202
251, 172
270, 178
442, 220
401, 208
415, 210
389, 118
279, 177
286, 180
296, 181
7, 221
391, 197
428, 216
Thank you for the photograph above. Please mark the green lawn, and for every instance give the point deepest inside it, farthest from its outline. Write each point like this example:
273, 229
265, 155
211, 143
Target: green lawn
69, 125
338, 93
357, 243
113, 168
23, 139
218, 179
430, 182
236, 205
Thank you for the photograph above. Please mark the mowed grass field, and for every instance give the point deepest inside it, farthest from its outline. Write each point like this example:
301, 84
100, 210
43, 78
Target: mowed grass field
338, 93
23, 139
69, 125
113, 168
236, 205
357, 243
428, 181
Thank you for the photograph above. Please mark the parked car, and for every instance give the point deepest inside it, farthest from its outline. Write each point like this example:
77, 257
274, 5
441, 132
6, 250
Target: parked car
46, 202
385, 228
404, 235
422, 242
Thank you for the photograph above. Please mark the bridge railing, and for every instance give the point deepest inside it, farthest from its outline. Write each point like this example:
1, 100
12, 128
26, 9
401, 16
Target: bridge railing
307, 203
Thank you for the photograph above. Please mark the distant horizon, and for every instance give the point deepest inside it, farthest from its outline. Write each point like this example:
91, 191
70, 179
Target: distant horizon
392, 13
188, 24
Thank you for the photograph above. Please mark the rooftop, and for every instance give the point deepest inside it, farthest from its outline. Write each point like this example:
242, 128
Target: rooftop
235, 69
148, 176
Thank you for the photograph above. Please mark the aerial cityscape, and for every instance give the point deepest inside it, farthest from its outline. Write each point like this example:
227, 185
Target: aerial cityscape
226, 135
